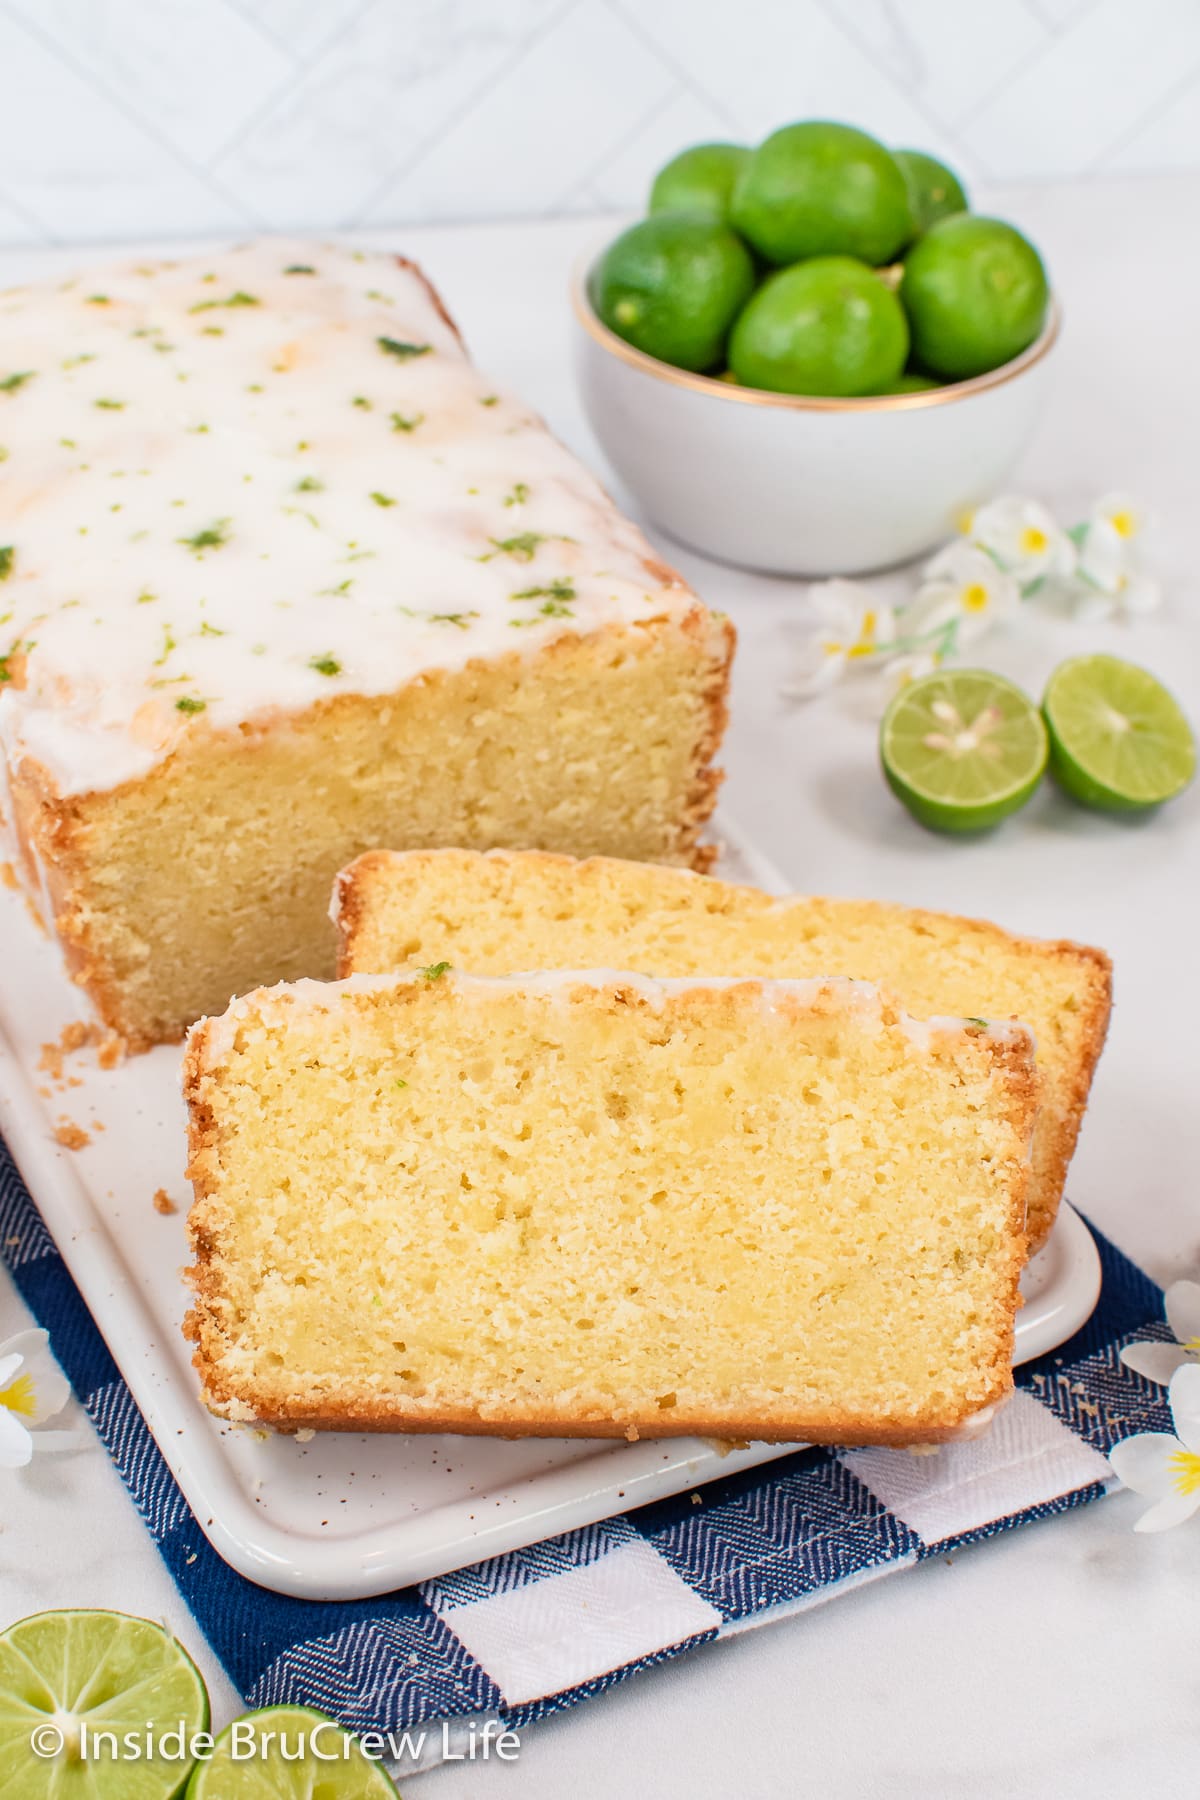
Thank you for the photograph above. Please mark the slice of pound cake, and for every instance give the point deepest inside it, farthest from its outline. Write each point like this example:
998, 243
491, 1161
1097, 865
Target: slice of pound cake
599, 1204
499, 913
282, 577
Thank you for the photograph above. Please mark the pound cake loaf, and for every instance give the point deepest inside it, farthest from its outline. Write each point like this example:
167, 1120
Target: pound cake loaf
282, 577
597, 1204
495, 914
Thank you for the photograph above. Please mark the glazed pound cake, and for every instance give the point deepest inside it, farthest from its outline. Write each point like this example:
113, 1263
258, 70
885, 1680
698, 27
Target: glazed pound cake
499, 913
282, 577
598, 1204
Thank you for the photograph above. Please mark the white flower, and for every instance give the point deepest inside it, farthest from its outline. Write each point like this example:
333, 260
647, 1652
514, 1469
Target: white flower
1127, 516
1023, 538
1112, 581
32, 1389
963, 594
1158, 1362
902, 670
1166, 1467
854, 625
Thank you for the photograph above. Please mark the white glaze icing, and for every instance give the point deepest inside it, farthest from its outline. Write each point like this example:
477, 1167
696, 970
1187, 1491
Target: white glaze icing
863, 999
227, 489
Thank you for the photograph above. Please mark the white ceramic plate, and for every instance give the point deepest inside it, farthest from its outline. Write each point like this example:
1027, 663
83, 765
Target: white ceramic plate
341, 1516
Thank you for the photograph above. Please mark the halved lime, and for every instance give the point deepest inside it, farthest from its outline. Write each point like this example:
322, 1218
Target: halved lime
1118, 739
289, 1751
962, 749
67, 1679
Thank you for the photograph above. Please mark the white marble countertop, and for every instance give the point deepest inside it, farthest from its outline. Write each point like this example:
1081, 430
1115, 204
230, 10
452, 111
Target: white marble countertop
1058, 1661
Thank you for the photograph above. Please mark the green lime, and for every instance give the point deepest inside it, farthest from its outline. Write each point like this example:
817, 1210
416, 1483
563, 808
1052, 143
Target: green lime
1118, 740
288, 1753
672, 286
699, 181
819, 189
976, 295
829, 326
934, 191
962, 748
68, 1678
909, 383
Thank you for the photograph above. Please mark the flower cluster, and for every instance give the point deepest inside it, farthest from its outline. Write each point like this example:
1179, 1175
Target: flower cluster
32, 1389
1012, 550
1163, 1465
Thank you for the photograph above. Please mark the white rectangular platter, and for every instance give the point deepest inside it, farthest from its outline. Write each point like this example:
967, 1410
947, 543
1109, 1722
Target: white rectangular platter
338, 1516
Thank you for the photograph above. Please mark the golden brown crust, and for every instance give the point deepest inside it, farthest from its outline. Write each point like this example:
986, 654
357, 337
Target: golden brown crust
830, 1428
52, 829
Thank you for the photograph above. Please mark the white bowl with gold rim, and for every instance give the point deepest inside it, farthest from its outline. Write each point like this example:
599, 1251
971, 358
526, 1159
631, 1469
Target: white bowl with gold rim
794, 485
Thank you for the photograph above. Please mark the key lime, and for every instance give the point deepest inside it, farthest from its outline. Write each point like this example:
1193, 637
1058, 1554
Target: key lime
819, 189
962, 748
1118, 740
934, 191
829, 326
699, 181
68, 1677
975, 293
288, 1753
910, 383
672, 286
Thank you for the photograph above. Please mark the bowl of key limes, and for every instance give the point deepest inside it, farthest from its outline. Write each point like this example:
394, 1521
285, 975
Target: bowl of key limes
812, 357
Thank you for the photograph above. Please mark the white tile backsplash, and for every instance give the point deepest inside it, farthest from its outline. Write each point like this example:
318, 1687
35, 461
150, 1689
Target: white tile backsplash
188, 72
174, 118
564, 106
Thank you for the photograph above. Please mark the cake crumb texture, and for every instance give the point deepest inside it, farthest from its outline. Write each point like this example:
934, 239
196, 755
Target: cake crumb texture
601, 1205
494, 914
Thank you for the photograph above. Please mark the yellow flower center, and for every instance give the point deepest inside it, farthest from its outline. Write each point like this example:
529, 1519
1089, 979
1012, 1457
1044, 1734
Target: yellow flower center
19, 1396
866, 634
1034, 541
974, 599
1185, 1470
966, 519
831, 647
1123, 523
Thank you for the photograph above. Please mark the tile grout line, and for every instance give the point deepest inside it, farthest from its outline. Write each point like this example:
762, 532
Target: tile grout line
46, 238
146, 129
1130, 132
303, 60
1020, 68
303, 68
672, 64
406, 165
626, 137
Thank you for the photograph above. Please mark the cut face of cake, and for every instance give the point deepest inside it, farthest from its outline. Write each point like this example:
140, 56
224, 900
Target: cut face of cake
282, 577
598, 1204
495, 914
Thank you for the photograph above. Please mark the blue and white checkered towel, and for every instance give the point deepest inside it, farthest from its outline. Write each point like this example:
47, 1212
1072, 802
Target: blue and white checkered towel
525, 1634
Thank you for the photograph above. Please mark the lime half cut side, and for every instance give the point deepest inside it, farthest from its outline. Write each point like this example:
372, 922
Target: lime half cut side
962, 749
71, 1683
1118, 740
289, 1753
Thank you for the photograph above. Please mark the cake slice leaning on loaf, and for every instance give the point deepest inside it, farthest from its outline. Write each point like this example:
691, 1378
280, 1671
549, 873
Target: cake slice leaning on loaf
498, 913
596, 1204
